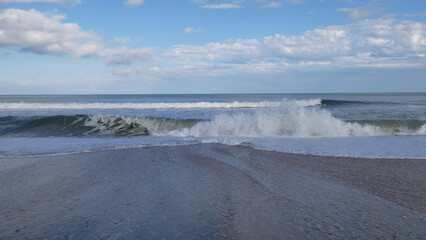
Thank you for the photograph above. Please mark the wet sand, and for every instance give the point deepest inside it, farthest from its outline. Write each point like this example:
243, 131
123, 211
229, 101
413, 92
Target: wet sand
210, 191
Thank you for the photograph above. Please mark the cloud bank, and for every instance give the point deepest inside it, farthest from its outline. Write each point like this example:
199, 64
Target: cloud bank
370, 43
384, 37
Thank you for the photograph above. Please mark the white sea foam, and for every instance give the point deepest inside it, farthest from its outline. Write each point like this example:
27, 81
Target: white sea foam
307, 103
367, 147
421, 130
133, 125
286, 126
284, 119
290, 119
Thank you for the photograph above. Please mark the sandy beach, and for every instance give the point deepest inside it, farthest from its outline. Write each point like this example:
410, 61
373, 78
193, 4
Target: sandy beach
210, 191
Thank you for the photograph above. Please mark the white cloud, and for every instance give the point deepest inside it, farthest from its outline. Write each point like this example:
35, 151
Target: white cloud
133, 3
232, 4
47, 1
383, 42
355, 13
316, 44
384, 37
370, 43
192, 30
36, 32
272, 4
221, 6
381, 37
39, 33
238, 51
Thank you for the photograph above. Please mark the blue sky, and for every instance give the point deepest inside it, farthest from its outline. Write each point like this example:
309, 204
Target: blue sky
212, 46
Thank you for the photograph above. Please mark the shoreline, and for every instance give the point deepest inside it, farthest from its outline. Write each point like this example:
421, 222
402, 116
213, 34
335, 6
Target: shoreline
249, 145
210, 190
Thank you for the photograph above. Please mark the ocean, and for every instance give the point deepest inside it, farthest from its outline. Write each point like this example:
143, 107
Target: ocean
388, 125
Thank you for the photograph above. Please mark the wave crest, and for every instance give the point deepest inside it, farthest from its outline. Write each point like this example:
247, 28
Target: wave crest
90, 125
290, 119
178, 105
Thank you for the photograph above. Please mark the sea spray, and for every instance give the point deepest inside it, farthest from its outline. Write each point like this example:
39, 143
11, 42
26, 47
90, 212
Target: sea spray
289, 119
133, 126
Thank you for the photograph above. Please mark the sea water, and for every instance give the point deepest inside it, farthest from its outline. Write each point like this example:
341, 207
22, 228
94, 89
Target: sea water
358, 125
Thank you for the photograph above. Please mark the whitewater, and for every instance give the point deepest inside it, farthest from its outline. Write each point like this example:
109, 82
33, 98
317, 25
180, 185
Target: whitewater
363, 125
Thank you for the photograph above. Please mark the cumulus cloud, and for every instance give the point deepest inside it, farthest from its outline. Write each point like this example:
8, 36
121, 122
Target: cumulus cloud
386, 37
133, 3
36, 32
192, 30
383, 42
316, 44
382, 37
379, 43
44, 33
355, 13
221, 6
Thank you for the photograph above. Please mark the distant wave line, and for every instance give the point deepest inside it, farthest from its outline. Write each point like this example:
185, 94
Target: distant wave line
159, 105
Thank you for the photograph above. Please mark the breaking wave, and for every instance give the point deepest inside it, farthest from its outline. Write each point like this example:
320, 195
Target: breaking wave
293, 120
90, 125
289, 118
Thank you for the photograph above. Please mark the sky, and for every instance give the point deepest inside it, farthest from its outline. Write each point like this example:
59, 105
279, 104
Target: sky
212, 46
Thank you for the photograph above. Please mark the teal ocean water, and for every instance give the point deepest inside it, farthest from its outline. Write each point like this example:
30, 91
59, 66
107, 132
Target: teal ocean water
368, 125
